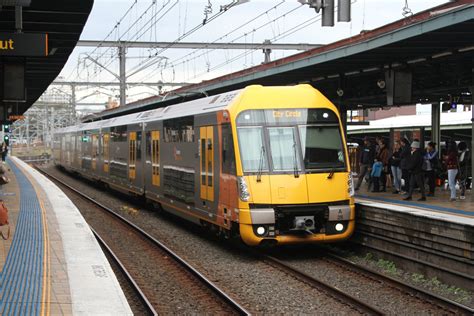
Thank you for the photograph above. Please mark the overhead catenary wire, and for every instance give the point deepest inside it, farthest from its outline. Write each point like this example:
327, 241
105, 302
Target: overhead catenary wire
184, 59
150, 62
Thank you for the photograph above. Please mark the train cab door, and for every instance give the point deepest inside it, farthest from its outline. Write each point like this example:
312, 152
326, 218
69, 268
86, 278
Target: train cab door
155, 158
132, 156
206, 143
106, 151
94, 151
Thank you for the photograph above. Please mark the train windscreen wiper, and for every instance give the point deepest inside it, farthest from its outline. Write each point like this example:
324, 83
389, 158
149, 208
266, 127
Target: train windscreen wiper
260, 164
295, 159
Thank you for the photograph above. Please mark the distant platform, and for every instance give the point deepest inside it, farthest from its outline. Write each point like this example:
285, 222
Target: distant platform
51, 264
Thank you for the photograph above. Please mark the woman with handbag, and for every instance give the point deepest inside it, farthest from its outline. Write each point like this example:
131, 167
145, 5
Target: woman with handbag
383, 156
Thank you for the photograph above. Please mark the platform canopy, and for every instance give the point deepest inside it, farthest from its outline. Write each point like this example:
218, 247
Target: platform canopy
49, 32
427, 57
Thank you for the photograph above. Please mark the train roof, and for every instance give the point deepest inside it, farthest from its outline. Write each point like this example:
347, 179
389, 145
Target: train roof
199, 106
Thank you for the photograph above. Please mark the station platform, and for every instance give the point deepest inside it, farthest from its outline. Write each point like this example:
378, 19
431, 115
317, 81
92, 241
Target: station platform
434, 238
51, 264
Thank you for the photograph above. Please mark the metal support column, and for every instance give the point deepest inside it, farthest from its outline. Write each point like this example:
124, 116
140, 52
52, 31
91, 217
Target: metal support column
122, 75
436, 124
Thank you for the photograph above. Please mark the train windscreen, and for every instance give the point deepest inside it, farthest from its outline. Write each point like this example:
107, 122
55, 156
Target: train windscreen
290, 140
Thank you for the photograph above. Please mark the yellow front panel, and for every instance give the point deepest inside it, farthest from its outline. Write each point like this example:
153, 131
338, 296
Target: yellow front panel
321, 189
259, 191
210, 164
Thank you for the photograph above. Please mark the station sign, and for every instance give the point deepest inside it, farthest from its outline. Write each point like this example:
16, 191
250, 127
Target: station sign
23, 44
16, 117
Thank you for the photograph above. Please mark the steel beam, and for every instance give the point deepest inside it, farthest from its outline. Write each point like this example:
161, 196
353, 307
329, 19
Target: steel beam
197, 45
98, 83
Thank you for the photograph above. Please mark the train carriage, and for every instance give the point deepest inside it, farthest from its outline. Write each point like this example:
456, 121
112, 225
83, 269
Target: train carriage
268, 163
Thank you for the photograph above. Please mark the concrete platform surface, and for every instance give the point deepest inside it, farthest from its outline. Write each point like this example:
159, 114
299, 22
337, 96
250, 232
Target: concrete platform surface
52, 264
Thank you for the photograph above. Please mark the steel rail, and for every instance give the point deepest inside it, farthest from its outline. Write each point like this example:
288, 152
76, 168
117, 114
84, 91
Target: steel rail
127, 275
411, 289
208, 283
331, 290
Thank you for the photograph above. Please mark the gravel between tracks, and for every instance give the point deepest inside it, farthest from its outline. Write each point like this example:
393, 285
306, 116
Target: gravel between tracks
371, 290
256, 285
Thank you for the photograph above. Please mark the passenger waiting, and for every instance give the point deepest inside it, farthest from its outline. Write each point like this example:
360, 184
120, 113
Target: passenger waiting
383, 156
429, 166
375, 175
367, 155
415, 164
404, 158
464, 163
395, 166
451, 160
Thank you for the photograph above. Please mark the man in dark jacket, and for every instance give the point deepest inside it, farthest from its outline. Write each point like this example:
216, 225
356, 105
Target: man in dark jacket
367, 155
415, 164
404, 157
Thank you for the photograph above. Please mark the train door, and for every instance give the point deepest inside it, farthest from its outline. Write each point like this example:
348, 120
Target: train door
94, 151
132, 156
206, 143
155, 158
106, 151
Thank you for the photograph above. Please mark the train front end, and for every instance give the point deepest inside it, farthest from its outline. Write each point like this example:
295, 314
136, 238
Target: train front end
294, 179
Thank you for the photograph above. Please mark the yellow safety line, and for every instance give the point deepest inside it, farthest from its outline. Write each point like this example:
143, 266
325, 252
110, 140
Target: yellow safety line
47, 272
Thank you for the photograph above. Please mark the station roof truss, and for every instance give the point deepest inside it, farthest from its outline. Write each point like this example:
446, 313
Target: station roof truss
436, 46
63, 21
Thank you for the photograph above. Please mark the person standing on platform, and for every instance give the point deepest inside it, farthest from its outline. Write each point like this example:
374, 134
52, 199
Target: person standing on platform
451, 161
464, 163
375, 175
404, 158
395, 166
429, 166
4, 151
367, 155
415, 163
383, 156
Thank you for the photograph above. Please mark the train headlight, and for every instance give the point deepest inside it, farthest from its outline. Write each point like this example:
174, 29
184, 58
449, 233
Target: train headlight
243, 190
350, 185
339, 227
261, 230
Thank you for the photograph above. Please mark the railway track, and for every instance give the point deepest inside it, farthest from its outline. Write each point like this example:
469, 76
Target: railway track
440, 301
333, 291
181, 272
444, 305
147, 307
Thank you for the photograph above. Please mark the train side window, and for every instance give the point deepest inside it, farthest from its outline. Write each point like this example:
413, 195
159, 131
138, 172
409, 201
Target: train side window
210, 156
228, 153
203, 161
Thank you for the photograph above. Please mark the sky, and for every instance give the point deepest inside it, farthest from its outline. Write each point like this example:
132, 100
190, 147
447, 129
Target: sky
171, 20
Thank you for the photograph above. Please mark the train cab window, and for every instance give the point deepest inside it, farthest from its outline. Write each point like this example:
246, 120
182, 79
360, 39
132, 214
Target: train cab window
252, 149
322, 146
228, 153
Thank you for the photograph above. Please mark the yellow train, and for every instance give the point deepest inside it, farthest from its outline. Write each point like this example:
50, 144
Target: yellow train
266, 163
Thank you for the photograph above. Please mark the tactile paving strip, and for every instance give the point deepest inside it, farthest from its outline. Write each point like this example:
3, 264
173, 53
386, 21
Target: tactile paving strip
21, 279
